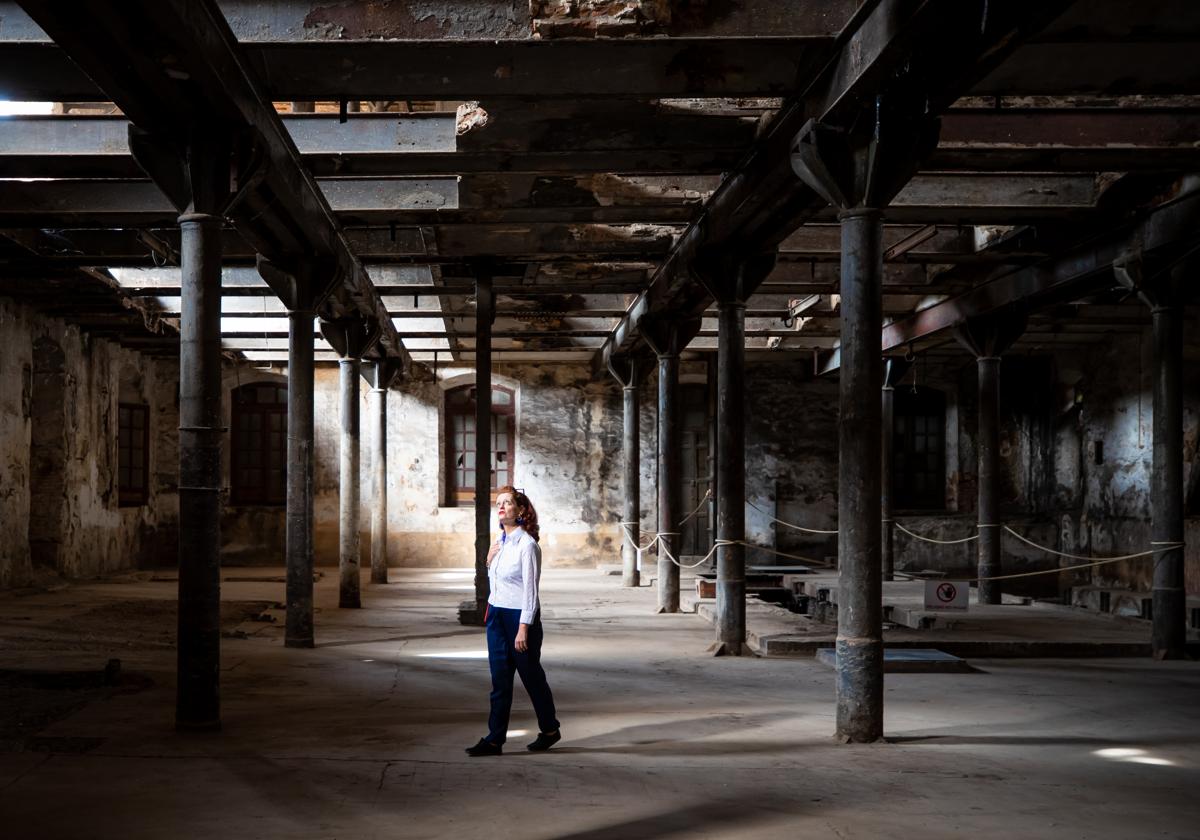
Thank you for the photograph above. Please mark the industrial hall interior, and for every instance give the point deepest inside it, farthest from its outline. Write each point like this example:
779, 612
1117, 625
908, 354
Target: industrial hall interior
820, 375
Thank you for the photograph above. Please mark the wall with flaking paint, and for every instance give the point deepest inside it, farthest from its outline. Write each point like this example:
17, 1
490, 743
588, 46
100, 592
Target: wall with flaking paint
67, 485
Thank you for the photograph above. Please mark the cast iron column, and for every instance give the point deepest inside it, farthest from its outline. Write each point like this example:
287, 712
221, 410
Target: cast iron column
859, 172
1169, 632
485, 313
731, 476
893, 371
350, 496
1162, 292
664, 339
298, 631
351, 337
383, 373
731, 278
988, 337
860, 614
200, 431
631, 486
302, 283
669, 477
988, 449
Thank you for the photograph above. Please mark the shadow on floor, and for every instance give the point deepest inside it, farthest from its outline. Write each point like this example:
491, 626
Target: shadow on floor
699, 818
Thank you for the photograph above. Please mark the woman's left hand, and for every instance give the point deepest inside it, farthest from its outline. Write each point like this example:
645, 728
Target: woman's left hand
522, 640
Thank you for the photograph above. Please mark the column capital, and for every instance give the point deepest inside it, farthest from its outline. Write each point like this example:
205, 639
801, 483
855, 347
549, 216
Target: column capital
195, 176
1160, 290
864, 167
627, 370
991, 335
381, 374
302, 283
668, 336
351, 336
894, 369
731, 276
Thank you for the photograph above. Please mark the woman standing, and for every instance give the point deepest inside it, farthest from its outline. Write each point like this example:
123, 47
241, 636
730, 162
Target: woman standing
514, 625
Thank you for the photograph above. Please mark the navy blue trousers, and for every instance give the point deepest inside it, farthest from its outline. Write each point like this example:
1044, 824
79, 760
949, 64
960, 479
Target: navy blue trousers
505, 661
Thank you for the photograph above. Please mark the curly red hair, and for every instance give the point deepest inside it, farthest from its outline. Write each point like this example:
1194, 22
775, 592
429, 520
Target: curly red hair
525, 511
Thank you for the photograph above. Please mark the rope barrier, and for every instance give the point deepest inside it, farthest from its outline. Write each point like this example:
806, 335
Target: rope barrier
916, 536
789, 524
1164, 547
1076, 567
707, 496
658, 538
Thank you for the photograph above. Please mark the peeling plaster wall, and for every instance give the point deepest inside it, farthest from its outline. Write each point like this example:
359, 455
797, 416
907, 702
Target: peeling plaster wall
1037, 442
1117, 413
791, 461
568, 459
1057, 413
92, 535
16, 361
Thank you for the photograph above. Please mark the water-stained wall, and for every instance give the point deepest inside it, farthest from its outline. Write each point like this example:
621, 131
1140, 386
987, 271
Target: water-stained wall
567, 459
59, 508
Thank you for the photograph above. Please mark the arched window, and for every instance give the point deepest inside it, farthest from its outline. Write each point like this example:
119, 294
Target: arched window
460, 441
919, 449
258, 456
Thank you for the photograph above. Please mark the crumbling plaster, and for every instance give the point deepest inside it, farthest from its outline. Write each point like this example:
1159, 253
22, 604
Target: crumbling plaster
567, 459
1117, 413
95, 536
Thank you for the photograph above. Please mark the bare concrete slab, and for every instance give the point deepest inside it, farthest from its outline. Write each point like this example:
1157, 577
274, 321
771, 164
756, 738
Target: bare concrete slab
362, 736
907, 661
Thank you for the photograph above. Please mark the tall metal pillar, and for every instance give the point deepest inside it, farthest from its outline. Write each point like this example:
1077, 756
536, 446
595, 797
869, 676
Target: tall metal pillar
201, 178
1169, 632
302, 284
1163, 294
894, 369
731, 475
860, 611
730, 282
350, 495
485, 314
665, 339
383, 372
988, 337
298, 540
631, 483
987, 447
858, 173
351, 338
200, 432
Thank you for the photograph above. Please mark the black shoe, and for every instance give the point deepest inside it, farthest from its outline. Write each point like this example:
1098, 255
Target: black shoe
545, 740
485, 747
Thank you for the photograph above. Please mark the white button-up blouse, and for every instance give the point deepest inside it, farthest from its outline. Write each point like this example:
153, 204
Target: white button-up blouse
514, 575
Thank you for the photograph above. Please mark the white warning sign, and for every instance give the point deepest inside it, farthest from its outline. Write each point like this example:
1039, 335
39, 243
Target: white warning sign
946, 594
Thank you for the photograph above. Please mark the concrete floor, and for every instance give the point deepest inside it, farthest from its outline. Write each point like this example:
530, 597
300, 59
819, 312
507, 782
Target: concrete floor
363, 736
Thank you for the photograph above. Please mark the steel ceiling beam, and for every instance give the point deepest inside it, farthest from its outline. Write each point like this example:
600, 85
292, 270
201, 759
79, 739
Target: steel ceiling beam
181, 74
1160, 233
942, 47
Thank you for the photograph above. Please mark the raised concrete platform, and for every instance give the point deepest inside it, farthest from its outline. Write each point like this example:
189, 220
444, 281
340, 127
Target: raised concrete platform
1015, 629
912, 661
